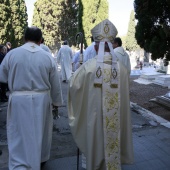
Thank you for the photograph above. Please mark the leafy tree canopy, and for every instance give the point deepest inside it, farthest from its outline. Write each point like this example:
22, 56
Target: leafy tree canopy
153, 27
60, 20
92, 12
56, 19
13, 21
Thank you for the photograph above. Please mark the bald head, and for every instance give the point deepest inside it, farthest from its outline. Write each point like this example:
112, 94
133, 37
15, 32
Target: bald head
33, 34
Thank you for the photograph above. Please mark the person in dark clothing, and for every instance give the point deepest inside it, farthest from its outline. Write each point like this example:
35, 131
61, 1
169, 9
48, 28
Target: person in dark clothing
4, 86
2, 53
8, 46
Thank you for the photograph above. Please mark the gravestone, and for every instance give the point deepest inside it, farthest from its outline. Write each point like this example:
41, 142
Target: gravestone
151, 75
164, 100
163, 80
168, 69
163, 67
148, 76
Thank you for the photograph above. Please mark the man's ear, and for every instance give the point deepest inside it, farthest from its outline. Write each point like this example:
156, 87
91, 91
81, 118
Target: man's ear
39, 43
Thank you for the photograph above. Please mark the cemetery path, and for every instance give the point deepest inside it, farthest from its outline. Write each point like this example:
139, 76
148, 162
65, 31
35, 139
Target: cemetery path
63, 144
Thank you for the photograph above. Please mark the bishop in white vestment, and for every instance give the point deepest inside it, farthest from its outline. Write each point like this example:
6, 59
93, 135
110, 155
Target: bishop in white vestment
99, 106
34, 86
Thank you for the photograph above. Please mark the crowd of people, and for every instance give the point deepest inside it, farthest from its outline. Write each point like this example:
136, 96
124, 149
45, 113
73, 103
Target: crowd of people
98, 99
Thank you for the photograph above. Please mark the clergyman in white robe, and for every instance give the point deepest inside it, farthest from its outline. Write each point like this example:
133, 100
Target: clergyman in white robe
123, 57
121, 53
99, 115
34, 86
89, 53
44, 47
64, 57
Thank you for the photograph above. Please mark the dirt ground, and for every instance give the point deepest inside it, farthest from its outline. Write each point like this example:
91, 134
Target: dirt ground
141, 94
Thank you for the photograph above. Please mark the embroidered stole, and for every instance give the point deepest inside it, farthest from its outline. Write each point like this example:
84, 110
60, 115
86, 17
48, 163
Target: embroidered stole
107, 77
111, 120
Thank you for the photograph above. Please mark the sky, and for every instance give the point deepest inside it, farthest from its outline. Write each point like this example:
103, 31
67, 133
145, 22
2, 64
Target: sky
119, 13
30, 10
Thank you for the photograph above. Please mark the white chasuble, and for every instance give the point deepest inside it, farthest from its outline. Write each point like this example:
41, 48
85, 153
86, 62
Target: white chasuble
97, 117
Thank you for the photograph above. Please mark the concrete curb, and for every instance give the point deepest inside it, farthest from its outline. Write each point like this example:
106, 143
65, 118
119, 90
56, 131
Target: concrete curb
149, 115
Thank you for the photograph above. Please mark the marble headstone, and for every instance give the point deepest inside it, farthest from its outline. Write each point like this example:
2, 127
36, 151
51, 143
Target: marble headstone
164, 100
163, 80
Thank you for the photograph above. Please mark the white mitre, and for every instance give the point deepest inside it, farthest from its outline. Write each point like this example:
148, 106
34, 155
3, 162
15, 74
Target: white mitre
104, 31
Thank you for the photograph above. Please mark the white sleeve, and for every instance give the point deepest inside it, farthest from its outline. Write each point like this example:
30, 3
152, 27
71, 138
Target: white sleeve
56, 92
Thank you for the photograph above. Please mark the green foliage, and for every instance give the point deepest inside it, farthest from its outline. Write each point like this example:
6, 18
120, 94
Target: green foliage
4, 21
131, 43
18, 21
60, 20
36, 20
124, 44
57, 20
69, 21
92, 12
45, 18
153, 27
13, 21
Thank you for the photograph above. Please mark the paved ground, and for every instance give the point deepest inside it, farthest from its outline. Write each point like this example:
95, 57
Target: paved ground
151, 149
151, 143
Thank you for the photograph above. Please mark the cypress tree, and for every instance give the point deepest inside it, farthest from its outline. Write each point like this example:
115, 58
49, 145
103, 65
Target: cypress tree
57, 19
62, 19
18, 22
80, 14
44, 17
68, 24
13, 21
131, 43
102, 12
36, 20
4, 21
98, 12
153, 30
123, 38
